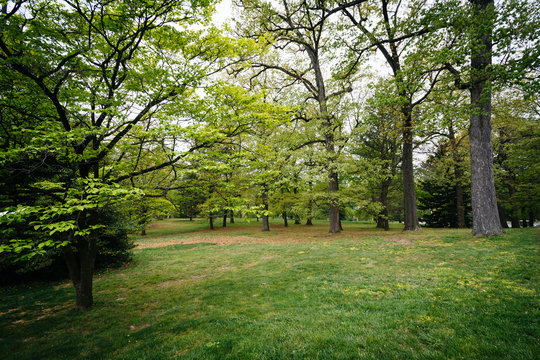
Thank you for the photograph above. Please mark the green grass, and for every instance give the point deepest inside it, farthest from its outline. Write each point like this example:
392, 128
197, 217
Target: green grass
171, 227
437, 294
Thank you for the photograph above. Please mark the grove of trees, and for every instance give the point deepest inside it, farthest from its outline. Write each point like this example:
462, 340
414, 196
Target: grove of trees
414, 111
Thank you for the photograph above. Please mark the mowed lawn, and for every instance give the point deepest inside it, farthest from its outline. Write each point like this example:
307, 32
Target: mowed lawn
294, 293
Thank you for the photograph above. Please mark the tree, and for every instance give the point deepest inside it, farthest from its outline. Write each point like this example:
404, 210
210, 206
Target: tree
98, 71
378, 139
512, 27
403, 40
303, 28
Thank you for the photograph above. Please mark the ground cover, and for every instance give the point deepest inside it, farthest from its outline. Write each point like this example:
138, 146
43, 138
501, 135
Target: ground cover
293, 293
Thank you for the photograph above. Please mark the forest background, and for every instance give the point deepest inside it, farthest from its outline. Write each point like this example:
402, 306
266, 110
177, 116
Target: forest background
115, 113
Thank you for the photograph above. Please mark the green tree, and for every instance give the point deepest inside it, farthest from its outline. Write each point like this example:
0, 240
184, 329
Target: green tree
96, 71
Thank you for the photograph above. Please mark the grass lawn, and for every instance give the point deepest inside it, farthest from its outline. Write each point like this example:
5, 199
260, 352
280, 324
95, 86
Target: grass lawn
292, 293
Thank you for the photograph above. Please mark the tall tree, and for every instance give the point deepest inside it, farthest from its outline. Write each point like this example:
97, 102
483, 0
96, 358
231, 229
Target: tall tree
513, 27
300, 27
395, 30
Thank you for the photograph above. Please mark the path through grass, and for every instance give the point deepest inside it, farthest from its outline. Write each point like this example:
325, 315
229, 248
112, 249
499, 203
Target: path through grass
238, 294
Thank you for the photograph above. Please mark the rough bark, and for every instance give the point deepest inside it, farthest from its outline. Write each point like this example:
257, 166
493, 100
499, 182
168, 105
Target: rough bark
81, 271
334, 206
484, 204
409, 193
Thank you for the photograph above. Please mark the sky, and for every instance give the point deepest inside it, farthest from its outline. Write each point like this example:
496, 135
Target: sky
223, 12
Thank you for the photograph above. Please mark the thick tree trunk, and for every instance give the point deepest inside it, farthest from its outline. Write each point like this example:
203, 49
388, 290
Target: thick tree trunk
231, 215
190, 217
225, 218
382, 218
81, 271
285, 222
484, 204
265, 223
211, 218
334, 205
531, 218
409, 194
502, 216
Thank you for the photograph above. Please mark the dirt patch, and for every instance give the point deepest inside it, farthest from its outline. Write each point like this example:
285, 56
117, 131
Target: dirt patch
400, 240
278, 235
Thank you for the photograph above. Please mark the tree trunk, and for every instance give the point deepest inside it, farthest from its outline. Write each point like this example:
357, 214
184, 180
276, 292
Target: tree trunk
531, 218
211, 218
143, 231
409, 194
265, 223
225, 218
190, 217
382, 218
334, 206
81, 271
285, 222
231, 215
502, 216
484, 203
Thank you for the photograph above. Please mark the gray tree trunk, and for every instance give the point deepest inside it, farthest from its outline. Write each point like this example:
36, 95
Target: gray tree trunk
484, 203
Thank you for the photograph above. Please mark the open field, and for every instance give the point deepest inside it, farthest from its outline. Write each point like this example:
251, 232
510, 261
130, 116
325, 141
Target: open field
292, 293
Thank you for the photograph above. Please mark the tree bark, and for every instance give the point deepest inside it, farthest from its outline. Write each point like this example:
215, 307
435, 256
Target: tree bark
502, 216
81, 271
409, 193
225, 218
484, 204
211, 218
285, 222
334, 206
231, 216
531, 218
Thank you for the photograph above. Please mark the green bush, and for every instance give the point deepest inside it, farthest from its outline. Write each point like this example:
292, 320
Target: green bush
114, 249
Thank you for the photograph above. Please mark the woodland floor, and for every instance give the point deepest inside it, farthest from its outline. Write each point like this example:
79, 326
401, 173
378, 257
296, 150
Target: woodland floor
292, 293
